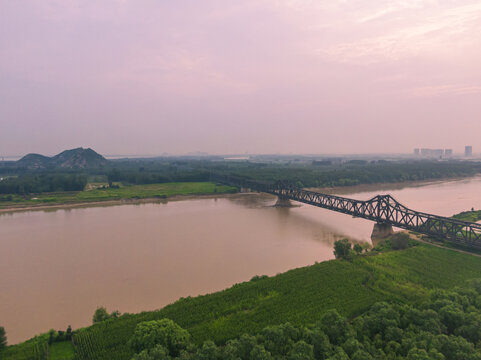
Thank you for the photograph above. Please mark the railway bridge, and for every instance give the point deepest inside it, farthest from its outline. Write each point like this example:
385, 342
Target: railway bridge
384, 210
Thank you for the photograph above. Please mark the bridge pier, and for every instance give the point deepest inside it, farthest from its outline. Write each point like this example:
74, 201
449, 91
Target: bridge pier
283, 202
381, 231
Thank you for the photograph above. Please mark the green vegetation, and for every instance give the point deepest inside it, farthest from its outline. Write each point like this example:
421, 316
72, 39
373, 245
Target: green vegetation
148, 334
56, 182
302, 171
54, 345
36, 348
61, 351
101, 314
3, 338
39, 348
399, 241
471, 216
38, 180
342, 249
445, 327
159, 191
349, 173
300, 296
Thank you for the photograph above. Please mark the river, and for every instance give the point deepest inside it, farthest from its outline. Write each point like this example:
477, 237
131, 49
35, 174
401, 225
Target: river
57, 266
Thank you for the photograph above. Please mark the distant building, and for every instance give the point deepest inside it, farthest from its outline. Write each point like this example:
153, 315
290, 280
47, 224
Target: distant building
468, 151
434, 153
448, 152
416, 152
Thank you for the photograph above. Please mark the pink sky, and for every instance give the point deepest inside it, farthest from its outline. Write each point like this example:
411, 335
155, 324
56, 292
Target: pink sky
222, 76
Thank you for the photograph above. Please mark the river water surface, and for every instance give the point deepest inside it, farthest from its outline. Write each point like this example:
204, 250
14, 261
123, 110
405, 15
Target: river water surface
56, 267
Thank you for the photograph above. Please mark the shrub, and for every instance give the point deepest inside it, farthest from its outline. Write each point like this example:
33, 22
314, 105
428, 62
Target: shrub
100, 314
358, 249
3, 338
400, 241
342, 249
165, 332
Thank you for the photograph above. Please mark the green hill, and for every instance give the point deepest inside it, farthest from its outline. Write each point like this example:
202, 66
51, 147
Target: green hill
78, 158
300, 296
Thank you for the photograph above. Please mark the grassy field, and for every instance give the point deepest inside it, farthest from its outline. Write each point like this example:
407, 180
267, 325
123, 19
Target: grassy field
61, 351
471, 216
300, 296
123, 192
38, 349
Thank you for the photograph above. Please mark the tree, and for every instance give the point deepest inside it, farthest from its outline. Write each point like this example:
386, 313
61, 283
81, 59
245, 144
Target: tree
68, 333
163, 332
335, 327
342, 249
52, 336
208, 351
260, 353
3, 338
301, 351
156, 353
358, 249
100, 315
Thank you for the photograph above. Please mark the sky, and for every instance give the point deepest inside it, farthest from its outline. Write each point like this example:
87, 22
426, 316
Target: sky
230, 77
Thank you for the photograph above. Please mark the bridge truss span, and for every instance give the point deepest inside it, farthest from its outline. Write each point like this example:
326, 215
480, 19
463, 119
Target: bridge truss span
383, 209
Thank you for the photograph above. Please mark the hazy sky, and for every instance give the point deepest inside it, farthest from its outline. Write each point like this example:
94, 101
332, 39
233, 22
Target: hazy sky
224, 76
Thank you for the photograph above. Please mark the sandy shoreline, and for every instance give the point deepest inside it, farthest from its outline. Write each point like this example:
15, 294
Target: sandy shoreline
111, 203
331, 190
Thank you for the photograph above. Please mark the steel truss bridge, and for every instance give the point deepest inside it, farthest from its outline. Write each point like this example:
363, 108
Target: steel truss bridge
383, 209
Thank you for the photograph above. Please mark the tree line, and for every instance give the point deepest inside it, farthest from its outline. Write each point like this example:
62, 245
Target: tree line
446, 327
175, 170
39, 183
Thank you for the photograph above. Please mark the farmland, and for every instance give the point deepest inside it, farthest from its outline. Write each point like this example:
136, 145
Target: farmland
300, 296
118, 192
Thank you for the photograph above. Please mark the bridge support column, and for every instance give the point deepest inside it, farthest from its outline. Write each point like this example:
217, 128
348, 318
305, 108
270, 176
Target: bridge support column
381, 231
283, 202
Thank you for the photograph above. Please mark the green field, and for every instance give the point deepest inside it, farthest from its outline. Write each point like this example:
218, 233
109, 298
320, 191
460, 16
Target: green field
299, 296
123, 192
471, 216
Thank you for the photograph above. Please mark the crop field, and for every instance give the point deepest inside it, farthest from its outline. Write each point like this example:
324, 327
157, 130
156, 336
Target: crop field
299, 296
163, 190
32, 349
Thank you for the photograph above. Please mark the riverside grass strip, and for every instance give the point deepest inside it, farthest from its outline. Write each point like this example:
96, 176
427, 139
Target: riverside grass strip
164, 190
300, 296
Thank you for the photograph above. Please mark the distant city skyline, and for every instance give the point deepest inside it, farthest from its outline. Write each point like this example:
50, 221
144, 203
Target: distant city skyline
230, 77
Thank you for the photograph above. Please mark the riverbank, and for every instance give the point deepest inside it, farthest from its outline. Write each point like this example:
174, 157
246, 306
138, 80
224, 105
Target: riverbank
386, 186
133, 194
153, 193
300, 296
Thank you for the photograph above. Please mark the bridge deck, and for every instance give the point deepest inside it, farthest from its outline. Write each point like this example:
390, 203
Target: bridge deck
383, 209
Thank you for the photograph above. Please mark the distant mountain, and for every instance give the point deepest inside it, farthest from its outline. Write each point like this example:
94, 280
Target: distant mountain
34, 161
78, 158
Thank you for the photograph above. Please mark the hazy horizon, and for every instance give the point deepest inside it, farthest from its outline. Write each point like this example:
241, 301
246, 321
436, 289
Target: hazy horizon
230, 77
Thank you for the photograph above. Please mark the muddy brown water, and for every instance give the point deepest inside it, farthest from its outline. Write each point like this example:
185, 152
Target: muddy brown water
57, 266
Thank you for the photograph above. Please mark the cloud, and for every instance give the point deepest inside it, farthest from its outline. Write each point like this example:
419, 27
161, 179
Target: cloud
407, 35
442, 90
284, 67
